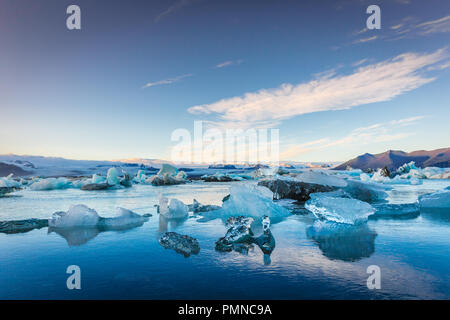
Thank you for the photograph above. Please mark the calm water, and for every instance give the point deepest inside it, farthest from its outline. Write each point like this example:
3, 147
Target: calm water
413, 254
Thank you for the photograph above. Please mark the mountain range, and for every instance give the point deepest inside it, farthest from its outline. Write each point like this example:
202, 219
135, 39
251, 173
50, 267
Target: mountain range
393, 159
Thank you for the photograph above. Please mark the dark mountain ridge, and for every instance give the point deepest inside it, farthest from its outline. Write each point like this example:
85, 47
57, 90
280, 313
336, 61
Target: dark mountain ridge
393, 159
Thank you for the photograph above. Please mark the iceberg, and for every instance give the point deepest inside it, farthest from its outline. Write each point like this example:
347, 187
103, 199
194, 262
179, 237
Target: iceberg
167, 169
77, 216
340, 210
9, 182
440, 199
319, 177
366, 191
176, 209
51, 184
112, 177
124, 219
253, 201
396, 211
197, 207
238, 232
97, 179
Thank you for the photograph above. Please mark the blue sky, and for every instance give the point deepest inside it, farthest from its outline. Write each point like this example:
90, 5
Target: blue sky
137, 70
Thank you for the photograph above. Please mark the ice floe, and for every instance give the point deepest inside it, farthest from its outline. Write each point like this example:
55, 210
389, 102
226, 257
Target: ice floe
440, 199
340, 210
175, 209
77, 216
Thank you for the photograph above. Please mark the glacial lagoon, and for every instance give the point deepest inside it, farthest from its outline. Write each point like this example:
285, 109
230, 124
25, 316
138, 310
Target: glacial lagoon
412, 251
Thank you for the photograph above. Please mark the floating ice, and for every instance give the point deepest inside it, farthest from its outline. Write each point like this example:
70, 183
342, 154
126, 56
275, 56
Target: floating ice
77, 216
319, 177
341, 210
183, 244
112, 177
175, 209
440, 199
123, 218
253, 201
400, 211
51, 184
97, 178
168, 169
9, 182
366, 191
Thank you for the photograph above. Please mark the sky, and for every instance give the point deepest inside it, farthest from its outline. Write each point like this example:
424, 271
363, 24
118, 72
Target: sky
138, 70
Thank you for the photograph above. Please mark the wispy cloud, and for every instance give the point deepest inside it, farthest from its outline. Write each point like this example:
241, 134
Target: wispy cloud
435, 26
376, 133
362, 40
176, 6
167, 81
376, 82
228, 63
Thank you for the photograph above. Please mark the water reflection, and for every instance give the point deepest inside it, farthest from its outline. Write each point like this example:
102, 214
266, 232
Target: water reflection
80, 235
436, 214
169, 224
343, 241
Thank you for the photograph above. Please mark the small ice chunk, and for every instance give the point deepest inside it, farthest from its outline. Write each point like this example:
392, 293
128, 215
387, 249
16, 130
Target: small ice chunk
340, 210
266, 223
440, 199
319, 177
77, 216
112, 177
175, 209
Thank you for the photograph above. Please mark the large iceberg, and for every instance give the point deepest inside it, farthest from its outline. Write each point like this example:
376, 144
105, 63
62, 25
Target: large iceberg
340, 210
366, 191
251, 201
77, 216
440, 199
51, 184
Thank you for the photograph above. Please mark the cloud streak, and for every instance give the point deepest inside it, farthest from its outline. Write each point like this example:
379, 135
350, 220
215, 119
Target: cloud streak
372, 83
178, 5
227, 63
167, 81
376, 133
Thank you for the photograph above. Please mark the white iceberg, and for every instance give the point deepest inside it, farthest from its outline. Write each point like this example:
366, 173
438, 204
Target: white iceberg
9, 182
168, 169
319, 177
340, 210
366, 191
51, 184
440, 199
123, 218
175, 209
251, 200
77, 216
